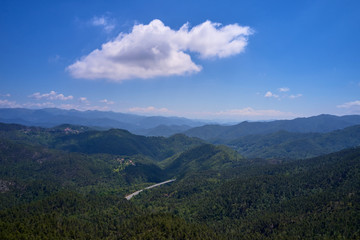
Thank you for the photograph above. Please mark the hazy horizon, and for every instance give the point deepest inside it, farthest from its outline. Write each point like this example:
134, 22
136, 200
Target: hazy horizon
204, 121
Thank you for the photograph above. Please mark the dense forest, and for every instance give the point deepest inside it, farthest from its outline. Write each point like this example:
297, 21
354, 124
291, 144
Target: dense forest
283, 144
70, 182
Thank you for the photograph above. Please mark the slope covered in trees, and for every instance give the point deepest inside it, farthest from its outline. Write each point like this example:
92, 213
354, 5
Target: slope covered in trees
45, 160
306, 199
58, 184
86, 140
284, 144
321, 124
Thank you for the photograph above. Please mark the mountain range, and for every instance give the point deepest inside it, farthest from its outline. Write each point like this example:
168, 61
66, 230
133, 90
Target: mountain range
69, 182
167, 126
50, 117
320, 124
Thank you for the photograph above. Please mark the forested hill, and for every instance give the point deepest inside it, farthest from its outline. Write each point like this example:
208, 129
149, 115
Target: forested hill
285, 144
321, 124
69, 182
136, 158
122, 142
71, 195
202, 158
86, 140
46, 160
317, 198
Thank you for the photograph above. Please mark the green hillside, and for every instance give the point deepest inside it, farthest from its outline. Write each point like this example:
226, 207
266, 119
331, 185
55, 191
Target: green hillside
86, 140
204, 157
320, 124
296, 145
317, 198
70, 182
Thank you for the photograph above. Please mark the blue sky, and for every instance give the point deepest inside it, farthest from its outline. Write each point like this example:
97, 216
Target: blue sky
219, 60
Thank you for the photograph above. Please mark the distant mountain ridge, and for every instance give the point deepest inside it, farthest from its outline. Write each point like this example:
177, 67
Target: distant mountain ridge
167, 126
50, 117
320, 124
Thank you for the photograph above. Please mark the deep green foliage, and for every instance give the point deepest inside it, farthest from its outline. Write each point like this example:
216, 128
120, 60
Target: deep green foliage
296, 145
70, 184
308, 199
69, 215
122, 142
321, 124
85, 140
203, 157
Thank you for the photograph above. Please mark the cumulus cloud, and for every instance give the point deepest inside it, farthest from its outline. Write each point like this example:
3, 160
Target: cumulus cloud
269, 94
295, 96
8, 104
82, 107
247, 113
83, 100
38, 105
212, 40
156, 50
284, 89
282, 94
250, 112
107, 102
150, 109
52, 95
104, 22
353, 104
47, 100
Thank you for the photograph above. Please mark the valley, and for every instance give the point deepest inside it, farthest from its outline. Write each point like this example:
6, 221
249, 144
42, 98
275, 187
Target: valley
72, 181
130, 196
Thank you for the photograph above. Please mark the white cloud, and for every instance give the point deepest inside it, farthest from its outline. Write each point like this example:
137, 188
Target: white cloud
354, 104
52, 95
284, 89
104, 22
212, 40
107, 102
81, 104
155, 50
8, 104
5, 95
68, 106
270, 94
250, 112
83, 100
247, 113
282, 94
38, 105
150, 109
295, 96
82, 107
